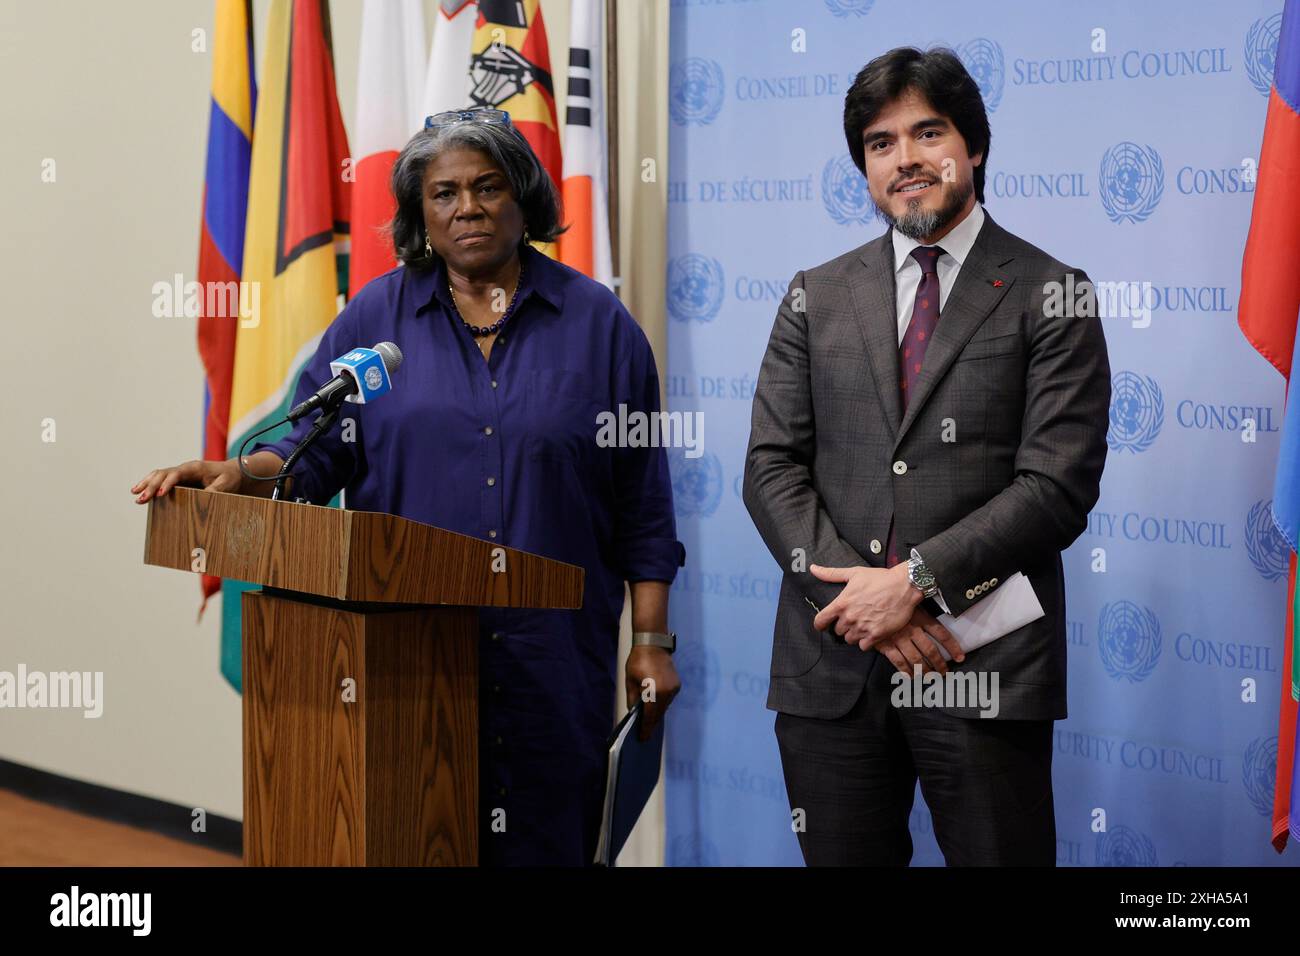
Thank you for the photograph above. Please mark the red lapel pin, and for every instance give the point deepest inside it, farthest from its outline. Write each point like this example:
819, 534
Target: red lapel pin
997, 283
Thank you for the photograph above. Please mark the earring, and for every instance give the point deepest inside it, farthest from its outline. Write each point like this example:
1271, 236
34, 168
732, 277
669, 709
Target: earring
428, 249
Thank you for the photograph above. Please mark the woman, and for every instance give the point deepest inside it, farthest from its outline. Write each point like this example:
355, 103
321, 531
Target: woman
491, 430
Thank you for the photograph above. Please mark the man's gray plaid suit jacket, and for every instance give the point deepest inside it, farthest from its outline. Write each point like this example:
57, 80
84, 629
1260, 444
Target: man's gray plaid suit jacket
993, 469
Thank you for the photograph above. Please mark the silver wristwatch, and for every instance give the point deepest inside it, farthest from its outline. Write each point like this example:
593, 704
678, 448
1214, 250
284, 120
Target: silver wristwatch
655, 639
921, 577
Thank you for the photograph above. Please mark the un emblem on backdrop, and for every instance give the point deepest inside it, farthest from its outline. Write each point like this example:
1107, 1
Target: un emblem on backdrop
844, 192
1267, 549
1258, 771
697, 664
1128, 637
983, 61
695, 90
1137, 410
1121, 846
697, 483
694, 288
1261, 51
846, 8
693, 849
1132, 180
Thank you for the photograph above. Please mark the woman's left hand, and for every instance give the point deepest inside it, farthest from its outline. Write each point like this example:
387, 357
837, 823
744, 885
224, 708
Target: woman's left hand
651, 677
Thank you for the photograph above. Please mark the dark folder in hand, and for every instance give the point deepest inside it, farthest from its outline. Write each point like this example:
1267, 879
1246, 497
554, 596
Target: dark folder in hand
633, 773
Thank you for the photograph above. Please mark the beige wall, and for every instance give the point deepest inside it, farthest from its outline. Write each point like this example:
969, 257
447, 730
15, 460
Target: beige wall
115, 96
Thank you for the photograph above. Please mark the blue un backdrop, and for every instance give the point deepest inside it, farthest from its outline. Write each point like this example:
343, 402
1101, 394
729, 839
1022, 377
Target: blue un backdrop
1129, 153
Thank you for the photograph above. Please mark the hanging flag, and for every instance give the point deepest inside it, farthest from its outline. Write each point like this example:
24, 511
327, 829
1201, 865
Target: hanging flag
585, 246
447, 85
1268, 313
511, 70
298, 204
221, 233
390, 110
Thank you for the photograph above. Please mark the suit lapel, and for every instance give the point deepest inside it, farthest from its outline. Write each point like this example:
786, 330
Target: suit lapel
972, 299
872, 293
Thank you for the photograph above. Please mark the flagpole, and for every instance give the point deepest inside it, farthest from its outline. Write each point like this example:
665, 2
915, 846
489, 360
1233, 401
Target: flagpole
611, 136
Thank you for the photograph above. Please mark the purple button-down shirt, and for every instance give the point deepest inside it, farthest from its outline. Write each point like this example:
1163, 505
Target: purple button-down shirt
506, 450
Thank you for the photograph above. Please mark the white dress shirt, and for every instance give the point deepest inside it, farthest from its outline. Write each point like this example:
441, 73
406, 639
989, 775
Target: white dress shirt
956, 247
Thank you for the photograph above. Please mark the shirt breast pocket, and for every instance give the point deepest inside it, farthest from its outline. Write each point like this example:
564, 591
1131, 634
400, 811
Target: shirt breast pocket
562, 416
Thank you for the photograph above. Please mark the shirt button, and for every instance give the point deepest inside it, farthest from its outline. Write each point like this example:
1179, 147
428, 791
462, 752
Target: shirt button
994, 582
500, 741
900, 467
491, 482
970, 593
487, 430
502, 791
875, 546
492, 534
496, 635
496, 688
494, 383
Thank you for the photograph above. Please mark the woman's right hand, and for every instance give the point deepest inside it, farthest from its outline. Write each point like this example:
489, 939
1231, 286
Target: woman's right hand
212, 475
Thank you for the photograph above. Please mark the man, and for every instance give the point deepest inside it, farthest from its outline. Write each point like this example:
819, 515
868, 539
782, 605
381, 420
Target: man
930, 419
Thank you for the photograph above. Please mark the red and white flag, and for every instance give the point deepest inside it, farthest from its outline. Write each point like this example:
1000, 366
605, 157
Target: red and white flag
447, 85
390, 110
585, 246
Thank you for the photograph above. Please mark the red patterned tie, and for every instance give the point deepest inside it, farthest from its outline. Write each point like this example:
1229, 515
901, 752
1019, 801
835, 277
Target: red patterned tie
911, 353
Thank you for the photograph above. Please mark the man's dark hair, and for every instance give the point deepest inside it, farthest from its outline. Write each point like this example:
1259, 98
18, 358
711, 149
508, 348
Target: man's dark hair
936, 74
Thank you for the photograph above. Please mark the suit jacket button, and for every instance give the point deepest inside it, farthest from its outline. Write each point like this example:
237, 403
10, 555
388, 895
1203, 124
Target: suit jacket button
875, 546
994, 582
900, 467
970, 593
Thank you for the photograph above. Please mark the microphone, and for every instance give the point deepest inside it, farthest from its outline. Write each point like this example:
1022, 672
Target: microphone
360, 376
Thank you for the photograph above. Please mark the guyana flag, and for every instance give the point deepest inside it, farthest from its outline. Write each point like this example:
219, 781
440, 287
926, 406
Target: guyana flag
295, 242
510, 69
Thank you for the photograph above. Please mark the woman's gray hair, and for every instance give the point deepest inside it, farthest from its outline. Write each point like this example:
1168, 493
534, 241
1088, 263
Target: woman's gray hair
530, 184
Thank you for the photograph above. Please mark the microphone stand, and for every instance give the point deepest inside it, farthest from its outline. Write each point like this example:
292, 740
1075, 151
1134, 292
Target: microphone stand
326, 418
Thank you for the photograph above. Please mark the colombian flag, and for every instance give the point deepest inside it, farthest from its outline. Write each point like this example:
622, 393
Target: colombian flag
510, 69
225, 204
298, 202
1268, 313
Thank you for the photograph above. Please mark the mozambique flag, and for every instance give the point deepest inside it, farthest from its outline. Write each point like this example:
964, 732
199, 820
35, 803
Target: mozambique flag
510, 69
1269, 312
225, 204
298, 202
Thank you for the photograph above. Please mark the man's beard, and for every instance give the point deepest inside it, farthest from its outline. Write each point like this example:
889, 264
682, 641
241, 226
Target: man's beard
917, 223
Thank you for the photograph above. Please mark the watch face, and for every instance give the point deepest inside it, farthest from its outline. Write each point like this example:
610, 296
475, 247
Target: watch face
922, 577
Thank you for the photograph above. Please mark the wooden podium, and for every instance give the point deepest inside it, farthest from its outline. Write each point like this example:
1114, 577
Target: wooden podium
360, 661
